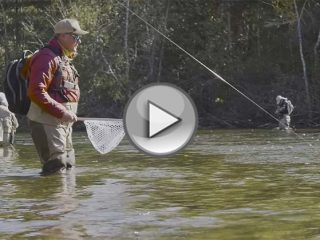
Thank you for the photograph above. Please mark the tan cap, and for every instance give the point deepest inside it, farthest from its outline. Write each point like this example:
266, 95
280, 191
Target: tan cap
69, 26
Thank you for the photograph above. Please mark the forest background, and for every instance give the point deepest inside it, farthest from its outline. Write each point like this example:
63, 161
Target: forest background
262, 47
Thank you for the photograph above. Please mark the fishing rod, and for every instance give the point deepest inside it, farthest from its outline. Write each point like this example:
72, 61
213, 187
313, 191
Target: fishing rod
202, 64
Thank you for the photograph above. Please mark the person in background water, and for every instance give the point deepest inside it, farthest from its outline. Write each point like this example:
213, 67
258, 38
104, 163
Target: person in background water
54, 94
284, 109
9, 122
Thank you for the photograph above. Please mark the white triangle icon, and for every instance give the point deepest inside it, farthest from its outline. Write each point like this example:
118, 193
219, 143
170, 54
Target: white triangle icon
159, 119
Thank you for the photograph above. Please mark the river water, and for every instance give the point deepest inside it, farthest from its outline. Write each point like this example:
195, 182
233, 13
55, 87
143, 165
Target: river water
227, 184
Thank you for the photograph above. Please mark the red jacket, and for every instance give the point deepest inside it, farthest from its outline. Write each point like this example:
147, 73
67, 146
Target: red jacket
48, 76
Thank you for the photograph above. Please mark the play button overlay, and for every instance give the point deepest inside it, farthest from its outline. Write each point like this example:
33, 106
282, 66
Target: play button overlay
160, 119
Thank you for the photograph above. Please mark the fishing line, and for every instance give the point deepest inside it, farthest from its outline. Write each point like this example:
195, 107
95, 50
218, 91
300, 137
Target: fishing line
203, 65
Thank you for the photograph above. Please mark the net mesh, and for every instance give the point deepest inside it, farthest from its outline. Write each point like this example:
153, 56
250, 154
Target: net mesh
105, 135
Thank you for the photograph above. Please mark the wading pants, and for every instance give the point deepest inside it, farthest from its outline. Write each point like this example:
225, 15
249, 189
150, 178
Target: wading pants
53, 143
52, 138
284, 122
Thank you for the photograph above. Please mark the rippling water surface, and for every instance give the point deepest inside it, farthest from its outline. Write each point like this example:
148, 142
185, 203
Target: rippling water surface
228, 184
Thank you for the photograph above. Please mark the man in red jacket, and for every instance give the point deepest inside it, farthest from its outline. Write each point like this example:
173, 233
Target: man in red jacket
54, 94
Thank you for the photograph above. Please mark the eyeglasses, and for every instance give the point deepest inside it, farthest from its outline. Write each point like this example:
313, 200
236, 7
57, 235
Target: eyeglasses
75, 37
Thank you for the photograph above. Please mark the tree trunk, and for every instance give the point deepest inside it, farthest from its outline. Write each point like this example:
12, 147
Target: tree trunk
315, 71
162, 42
316, 57
126, 48
304, 68
151, 61
258, 42
5, 37
229, 30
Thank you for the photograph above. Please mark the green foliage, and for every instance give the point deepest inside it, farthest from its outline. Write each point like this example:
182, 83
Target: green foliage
252, 44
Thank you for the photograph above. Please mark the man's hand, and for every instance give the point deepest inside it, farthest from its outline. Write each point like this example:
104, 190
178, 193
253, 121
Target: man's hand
69, 117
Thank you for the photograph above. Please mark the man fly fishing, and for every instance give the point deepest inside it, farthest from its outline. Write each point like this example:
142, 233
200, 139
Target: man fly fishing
284, 109
54, 94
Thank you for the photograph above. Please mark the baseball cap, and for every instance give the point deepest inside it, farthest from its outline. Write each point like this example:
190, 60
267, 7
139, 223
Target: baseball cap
69, 25
279, 98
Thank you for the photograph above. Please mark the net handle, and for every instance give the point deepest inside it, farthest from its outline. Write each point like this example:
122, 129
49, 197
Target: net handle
96, 119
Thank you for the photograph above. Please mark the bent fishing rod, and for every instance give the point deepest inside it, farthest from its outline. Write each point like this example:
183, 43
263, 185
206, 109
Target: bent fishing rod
202, 64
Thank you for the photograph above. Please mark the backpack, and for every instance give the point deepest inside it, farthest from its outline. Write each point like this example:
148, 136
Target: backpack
290, 107
16, 82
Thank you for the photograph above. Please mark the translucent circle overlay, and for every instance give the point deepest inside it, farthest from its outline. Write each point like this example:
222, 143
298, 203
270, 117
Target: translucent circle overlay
172, 100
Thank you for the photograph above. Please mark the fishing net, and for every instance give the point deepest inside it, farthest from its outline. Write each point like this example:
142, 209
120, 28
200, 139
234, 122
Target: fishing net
105, 135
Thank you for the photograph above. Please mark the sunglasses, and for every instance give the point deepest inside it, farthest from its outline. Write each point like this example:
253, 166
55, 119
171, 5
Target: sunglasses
75, 37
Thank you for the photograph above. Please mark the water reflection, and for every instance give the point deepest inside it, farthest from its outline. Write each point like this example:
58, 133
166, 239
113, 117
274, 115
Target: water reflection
238, 184
62, 202
31, 205
7, 153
